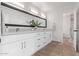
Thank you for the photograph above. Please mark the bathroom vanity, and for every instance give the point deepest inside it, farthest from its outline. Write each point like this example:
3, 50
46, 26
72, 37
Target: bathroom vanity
16, 38
24, 44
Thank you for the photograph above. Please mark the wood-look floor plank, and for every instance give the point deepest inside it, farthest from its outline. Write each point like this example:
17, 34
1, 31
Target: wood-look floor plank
57, 49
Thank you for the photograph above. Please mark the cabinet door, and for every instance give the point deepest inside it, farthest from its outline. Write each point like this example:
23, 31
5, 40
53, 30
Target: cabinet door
48, 36
29, 47
38, 43
13, 49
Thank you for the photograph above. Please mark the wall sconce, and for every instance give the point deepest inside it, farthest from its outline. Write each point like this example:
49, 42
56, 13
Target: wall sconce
17, 3
34, 11
43, 15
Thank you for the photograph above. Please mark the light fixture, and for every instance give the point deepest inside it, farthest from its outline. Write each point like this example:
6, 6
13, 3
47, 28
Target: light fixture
17, 3
33, 11
43, 15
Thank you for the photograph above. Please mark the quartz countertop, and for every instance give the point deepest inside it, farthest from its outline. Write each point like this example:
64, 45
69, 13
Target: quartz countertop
27, 32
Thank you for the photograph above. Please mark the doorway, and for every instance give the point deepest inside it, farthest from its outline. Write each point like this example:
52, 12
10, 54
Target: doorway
68, 25
72, 26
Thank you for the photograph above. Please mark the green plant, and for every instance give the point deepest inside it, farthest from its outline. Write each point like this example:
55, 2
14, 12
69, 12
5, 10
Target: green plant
35, 23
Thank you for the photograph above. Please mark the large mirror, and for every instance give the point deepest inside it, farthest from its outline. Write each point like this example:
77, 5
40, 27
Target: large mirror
17, 20
13, 16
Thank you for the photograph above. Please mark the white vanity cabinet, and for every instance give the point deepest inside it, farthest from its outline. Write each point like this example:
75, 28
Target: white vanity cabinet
18, 48
43, 38
29, 47
11, 49
24, 45
48, 36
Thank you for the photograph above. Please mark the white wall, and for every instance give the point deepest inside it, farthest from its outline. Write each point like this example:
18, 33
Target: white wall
55, 17
29, 5
0, 18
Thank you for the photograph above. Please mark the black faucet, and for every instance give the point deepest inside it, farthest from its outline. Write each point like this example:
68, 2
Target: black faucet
17, 29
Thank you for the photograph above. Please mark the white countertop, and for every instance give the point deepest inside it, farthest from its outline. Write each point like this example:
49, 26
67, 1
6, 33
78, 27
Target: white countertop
27, 32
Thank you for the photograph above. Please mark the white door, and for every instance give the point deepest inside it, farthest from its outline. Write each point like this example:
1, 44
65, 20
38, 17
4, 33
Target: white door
72, 26
68, 25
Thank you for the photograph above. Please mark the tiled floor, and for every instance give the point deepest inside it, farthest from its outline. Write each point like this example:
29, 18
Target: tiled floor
57, 49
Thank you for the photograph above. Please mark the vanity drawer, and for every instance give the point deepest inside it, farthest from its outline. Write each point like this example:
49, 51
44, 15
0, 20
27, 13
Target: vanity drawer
12, 38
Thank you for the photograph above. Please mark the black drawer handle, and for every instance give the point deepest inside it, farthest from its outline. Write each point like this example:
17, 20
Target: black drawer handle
38, 39
0, 40
44, 43
38, 45
75, 30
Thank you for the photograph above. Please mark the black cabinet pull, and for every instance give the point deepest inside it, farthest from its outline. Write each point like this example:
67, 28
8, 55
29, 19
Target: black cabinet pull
38, 45
0, 40
38, 39
44, 42
22, 45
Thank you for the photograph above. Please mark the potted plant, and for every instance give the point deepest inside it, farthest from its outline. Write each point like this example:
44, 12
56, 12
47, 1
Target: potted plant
34, 24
